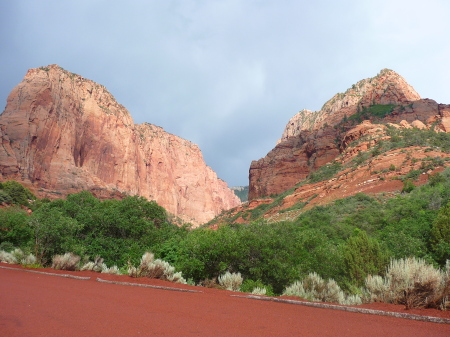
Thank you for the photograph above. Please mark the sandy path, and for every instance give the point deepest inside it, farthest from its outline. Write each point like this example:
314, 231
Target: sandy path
41, 305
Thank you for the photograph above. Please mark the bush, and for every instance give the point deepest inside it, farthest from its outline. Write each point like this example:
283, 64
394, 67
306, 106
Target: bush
440, 234
68, 261
6, 246
6, 257
209, 283
5, 198
325, 172
411, 282
436, 179
259, 291
231, 281
100, 267
18, 194
14, 229
158, 269
29, 260
378, 288
97, 266
315, 288
114, 270
408, 186
17, 256
53, 232
256, 288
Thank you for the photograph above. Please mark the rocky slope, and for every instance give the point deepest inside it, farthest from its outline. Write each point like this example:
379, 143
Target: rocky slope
375, 158
312, 139
61, 133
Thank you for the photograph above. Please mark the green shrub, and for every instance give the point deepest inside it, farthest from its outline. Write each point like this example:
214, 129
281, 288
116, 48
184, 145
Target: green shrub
377, 111
436, 179
416, 137
256, 288
413, 174
325, 172
360, 158
5, 197
53, 233
440, 235
14, 228
408, 186
6, 246
19, 194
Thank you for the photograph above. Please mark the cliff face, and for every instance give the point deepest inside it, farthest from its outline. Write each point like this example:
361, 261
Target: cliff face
312, 139
63, 133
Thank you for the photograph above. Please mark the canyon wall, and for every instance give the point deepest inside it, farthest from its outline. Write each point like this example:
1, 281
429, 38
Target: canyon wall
62, 133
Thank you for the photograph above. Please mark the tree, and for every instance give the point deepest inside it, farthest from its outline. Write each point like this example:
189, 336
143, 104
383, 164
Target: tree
53, 232
363, 256
440, 235
14, 227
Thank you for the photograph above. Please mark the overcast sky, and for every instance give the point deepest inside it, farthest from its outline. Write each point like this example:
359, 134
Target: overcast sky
228, 74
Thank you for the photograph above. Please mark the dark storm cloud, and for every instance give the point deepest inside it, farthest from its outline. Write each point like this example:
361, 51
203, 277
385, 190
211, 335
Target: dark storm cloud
227, 75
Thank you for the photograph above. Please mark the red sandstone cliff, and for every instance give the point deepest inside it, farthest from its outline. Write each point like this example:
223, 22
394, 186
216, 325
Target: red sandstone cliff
312, 139
63, 133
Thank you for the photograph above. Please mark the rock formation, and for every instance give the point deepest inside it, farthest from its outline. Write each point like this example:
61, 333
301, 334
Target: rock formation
387, 87
363, 168
312, 139
62, 133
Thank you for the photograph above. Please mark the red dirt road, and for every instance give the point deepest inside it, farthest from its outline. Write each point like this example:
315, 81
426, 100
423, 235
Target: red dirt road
41, 305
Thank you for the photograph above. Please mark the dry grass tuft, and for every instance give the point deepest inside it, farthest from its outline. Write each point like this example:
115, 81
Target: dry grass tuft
7, 257
231, 281
210, 283
68, 261
17, 256
100, 267
30, 259
259, 291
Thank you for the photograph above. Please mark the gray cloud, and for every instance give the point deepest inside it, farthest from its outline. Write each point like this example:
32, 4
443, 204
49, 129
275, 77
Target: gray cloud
228, 75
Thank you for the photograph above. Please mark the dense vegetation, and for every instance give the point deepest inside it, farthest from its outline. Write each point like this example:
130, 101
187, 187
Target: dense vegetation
11, 192
377, 111
345, 240
118, 230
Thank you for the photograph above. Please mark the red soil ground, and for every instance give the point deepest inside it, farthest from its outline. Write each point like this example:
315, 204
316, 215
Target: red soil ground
34, 304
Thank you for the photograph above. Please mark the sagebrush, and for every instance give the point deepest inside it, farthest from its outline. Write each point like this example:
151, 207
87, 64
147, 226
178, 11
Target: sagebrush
158, 269
412, 282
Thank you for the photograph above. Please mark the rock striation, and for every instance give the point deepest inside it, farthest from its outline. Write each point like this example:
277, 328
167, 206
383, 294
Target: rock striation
62, 133
314, 138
